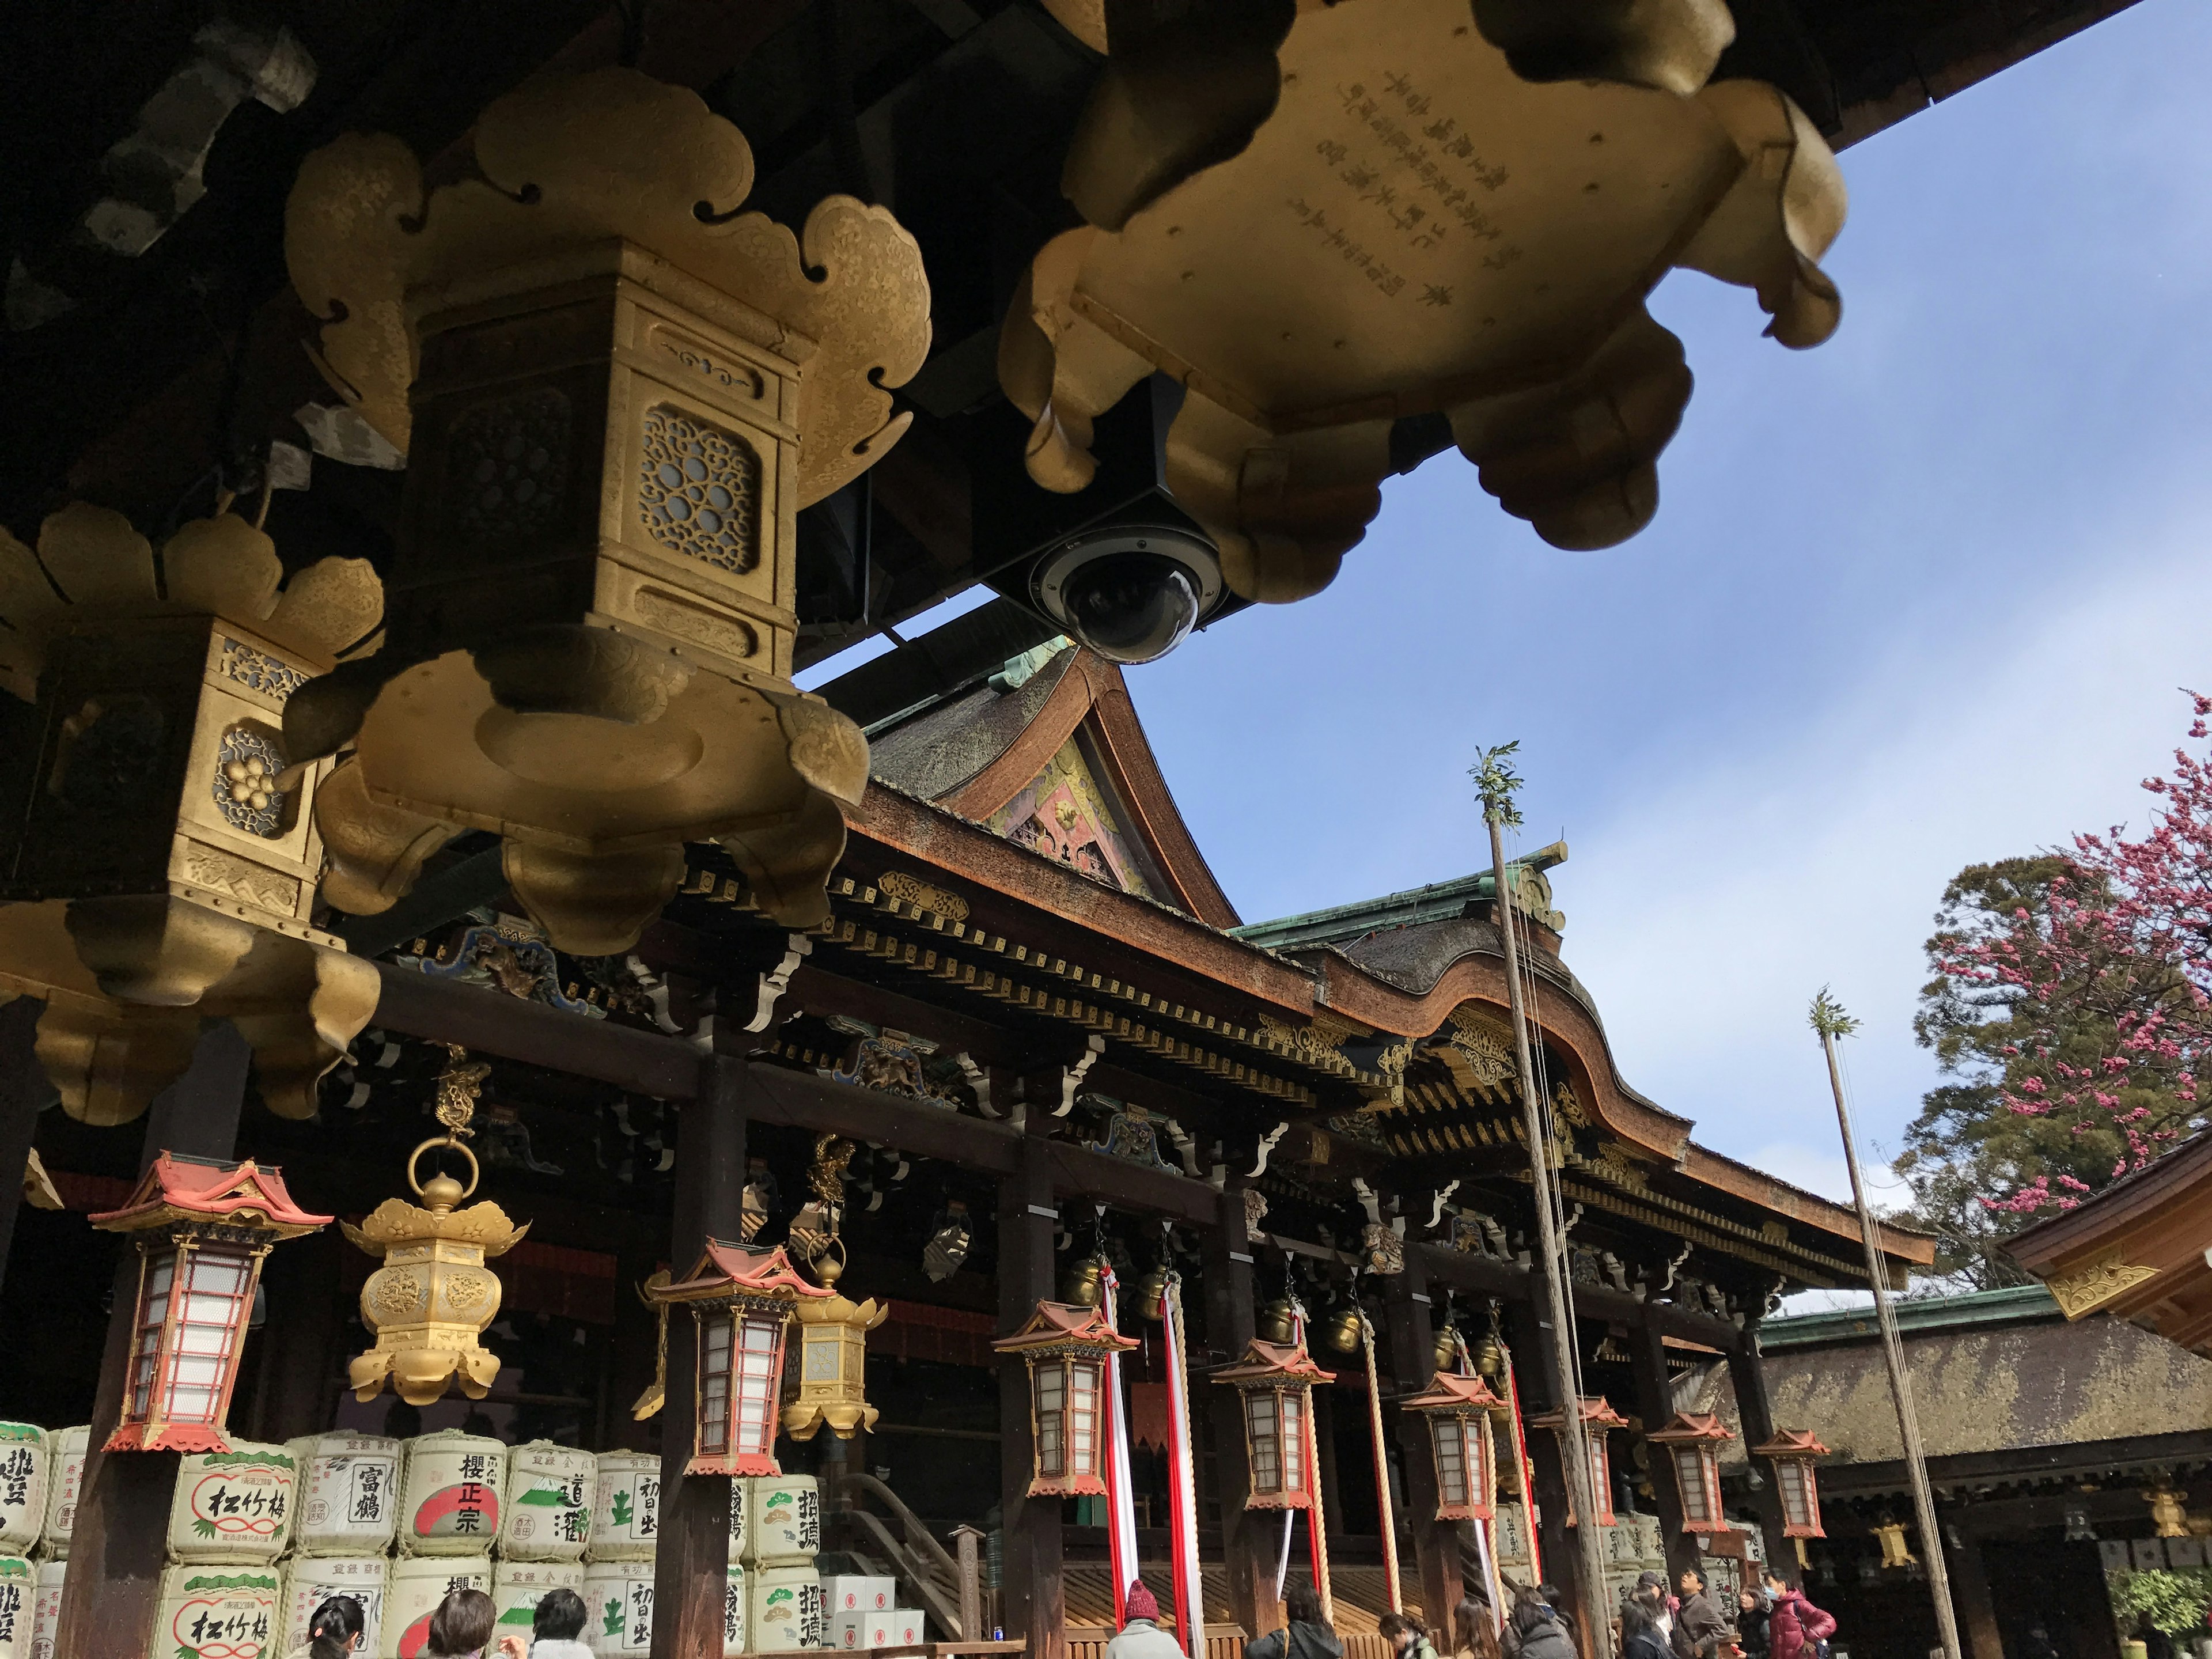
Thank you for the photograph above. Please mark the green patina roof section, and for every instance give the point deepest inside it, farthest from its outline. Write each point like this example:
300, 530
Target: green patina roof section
2017, 1305
1440, 901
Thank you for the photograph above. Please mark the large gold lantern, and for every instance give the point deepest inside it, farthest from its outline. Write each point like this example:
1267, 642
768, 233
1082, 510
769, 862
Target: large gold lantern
743, 1300
202, 1227
616, 391
431, 1300
1065, 1348
1792, 1453
1277, 1384
1595, 1420
1895, 1552
1693, 1441
1458, 1409
833, 1357
158, 852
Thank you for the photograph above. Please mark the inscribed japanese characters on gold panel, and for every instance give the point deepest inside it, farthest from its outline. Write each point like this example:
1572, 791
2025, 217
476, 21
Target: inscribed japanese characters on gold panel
1418, 229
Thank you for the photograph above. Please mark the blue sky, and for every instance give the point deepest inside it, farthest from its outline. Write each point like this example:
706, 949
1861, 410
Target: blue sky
1917, 598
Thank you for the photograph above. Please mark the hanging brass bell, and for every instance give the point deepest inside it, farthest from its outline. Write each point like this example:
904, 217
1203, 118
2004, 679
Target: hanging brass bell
1490, 1357
1446, 1354
1150, 1290
1084, 1282
1278, 1320
1343, 1330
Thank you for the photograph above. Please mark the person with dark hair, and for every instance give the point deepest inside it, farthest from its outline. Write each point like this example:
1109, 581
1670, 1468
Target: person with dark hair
1538, 1630
1478, 1637
1141, 1636
1699, 1630
1639, 1635
1305, 1634
1796, 1629
462, 1627
1406, 1636
1658, 1607
335, 1630
1754, 1610
557, 1630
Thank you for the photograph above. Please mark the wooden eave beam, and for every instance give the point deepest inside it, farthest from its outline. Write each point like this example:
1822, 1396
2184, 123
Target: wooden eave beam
1488, 1276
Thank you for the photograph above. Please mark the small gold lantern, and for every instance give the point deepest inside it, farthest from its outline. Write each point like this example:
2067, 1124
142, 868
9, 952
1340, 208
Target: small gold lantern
202, 1227
1277, 1384
833, 1357
1595, 1419
1458, 1408
1894, 1552
1792, 1452
1065, 1348
433, 1297
1692, 1440
743, 1300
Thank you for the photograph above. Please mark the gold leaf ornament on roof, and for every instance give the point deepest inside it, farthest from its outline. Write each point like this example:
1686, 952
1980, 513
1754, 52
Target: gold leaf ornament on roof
2085, 1288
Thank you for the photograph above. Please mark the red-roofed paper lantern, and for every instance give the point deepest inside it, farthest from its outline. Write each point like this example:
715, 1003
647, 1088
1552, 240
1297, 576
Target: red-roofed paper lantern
1792, 1452
743, 1300
1595, 1419
202, 1227
1458, 1409
1065, 1348
1276, 1381
1693, 1440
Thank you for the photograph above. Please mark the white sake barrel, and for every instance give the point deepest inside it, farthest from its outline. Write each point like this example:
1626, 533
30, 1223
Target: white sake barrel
517, 1588
787, 1610
741, 1508
737, 1610
23, 1463
220, 1613
786, 1521
626, 1510
65, 1474
232, 1508
413, 1588
313, 1579
347, 1501
619, 1607
450, 1494
19, 1598
549, 1493
46, 1610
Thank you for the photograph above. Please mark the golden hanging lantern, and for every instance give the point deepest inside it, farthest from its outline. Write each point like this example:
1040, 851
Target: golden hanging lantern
833, 1356
431, 1300
1891, 1535
1083, 1283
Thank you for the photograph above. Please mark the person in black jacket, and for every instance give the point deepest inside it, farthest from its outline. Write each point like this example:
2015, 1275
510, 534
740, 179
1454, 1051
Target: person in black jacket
1306, 1635
1752, 1611
1639, 1635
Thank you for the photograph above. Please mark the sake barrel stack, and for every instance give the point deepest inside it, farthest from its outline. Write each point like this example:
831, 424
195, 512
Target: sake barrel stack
626, 1510
786, 1521
219, 1612
517, 1588
46, 1610
416, 1586
347, 1501
450, 1494
233, 1508
25, 1457
19, 1596
618, 1605
549, 1498
65, 1475
741, 1530
312, 1580
786, 1612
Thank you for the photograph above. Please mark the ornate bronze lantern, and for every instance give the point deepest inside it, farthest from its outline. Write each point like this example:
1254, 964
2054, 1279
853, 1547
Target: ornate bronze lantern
1693, 1441
1792, 1452
1065, 1348
833, 1357
1895, 1552
743, 1300
1277, 1384
1458, 1409
615, 391
1595, 1419
202, 1227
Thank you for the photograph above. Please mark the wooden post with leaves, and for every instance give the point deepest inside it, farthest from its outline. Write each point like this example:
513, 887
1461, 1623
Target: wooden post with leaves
1831, 1022
1495, 783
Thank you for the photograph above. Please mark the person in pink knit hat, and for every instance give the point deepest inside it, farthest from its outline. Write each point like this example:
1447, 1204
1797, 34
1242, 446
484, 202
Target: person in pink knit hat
1141, 1636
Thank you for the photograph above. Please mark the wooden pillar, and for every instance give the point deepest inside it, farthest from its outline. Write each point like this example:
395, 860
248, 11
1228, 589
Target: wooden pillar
1756, 1418
116, 1552
635, 1343
1978, 1608
690, 1563
1250, 1539
1655, 1403
296, 1387
1535, 1367
23, 1087
1036, 1599
1413, 1363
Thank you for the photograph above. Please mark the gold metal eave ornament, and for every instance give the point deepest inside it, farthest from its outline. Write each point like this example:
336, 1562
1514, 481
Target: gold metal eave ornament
1427, 222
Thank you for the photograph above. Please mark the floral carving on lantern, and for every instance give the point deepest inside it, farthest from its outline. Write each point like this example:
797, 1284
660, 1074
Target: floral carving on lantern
1459, 1409
1595, 1419
202, 1227
1693, 1441
1276, 1382
1065, 1348
1792, 1452
743, 1300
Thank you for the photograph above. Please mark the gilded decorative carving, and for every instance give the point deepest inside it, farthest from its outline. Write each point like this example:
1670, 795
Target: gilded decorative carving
1373, 212
912, 889
2084, 1289
699, 490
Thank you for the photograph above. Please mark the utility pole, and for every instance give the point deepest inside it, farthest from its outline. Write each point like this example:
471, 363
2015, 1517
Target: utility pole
1829, 1020
1496, 781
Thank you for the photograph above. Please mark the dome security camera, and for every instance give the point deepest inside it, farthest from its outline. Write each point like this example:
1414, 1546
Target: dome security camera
1130, 592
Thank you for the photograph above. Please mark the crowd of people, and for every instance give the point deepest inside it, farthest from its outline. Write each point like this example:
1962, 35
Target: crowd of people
462, 1627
